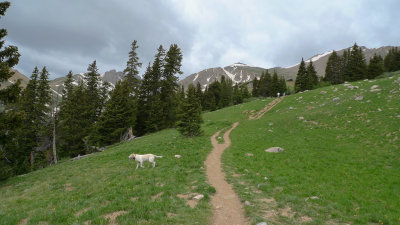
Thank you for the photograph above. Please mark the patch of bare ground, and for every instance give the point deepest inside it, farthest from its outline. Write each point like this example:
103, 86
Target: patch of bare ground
68, 187
286, 212
133, 199
169, 215
154, 197
23, 221
268, 107
189, 199
87, 222
305, 219
112, 217
236, 175
80, 212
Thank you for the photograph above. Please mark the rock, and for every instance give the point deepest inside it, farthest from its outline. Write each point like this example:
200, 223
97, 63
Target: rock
314, 197
379, 110
359, 98
178, 156
374, 86
198, 197
336, 99
249, 154
262, 223
323, 92
270, 124
291, 108
274, 149
335, 90
398, 116
368, 101
265, 178
301, 118
248, 203
375, 90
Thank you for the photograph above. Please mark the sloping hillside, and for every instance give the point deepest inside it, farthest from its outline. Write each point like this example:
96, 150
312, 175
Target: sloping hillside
341, 164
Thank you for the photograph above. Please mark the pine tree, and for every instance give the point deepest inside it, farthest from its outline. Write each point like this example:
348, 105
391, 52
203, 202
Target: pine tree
375, 66
169, 85
334, 69
132, 67
199, 93
92, 91
392, 60
214, 95
118, 116
43, 103
301, 82
10, 115
237, 95
244, 91
282, 85
356, 67
312, 76
274, 85
74, 125
190, 119
224, 99
255, 92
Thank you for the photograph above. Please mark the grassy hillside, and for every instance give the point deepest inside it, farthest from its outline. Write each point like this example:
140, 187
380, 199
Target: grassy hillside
341, 162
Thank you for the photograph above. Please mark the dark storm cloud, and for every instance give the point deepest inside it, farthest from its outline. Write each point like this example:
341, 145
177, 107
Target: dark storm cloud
68, 35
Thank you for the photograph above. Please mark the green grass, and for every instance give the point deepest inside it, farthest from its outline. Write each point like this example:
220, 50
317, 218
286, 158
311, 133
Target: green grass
347, 153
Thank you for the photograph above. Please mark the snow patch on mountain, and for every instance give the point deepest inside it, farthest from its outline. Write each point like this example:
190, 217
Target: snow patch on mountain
230, 75
195, 78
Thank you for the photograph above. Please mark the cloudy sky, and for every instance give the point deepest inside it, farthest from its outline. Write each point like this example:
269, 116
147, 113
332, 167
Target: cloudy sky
68, 35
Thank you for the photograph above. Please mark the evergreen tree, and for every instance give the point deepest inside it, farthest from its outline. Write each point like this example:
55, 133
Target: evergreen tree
392, 60
274, 85
199, 93
190, 119
375, 66
214, 95
68, 86
356, 67
169, 85
282, 85
244, 91
118, 116
255, 92
224, 99
334, 69
132, 67
301, 83
74, 125
92, 91
237, 95
43, 103
312, 76
10, 115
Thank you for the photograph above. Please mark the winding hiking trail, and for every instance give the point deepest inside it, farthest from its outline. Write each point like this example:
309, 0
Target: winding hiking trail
268, 107
227, 207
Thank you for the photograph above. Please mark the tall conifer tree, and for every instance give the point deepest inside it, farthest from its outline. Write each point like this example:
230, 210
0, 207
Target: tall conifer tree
301, 79
190, 119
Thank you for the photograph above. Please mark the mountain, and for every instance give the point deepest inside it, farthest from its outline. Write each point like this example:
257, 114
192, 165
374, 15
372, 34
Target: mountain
57, 84
17, 75
240, 72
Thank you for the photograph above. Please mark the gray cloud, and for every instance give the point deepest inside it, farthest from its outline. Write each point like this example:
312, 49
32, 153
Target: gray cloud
68, 35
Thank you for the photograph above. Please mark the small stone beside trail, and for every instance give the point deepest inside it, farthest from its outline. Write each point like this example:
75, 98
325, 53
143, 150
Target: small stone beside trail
359, 98
274, 149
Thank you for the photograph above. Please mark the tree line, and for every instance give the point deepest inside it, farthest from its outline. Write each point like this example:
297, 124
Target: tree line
350, 66
269, 86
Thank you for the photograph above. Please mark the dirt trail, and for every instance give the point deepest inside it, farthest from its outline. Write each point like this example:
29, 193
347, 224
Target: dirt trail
227, 207
268, 107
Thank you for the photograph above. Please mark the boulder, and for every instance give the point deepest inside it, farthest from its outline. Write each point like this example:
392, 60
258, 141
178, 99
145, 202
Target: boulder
262, 223
198, 197
178, 156
274, 149
336, 99
359, 98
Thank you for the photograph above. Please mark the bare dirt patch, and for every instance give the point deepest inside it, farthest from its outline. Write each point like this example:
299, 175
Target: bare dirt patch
189, 199
224, 196
87, 222
169, 215
236, 175
133, 199
68, 187
287, 212
305, 219
113, 217
154, 197
23, 221
79, 213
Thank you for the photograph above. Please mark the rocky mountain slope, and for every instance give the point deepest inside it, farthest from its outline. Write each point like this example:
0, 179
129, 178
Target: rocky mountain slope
240, 73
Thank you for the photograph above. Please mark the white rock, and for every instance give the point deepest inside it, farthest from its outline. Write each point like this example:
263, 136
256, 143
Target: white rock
249, 154
265, 178
262, 223
247, 203
375, 90
291, 108
359, 98
323, 92
379, 110
374, 86
198, 197
274, 149
336, 99
178, 156
314, 197
301, 118
335, 90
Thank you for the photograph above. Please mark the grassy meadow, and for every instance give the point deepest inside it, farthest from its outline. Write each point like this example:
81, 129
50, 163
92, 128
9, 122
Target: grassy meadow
341, 165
